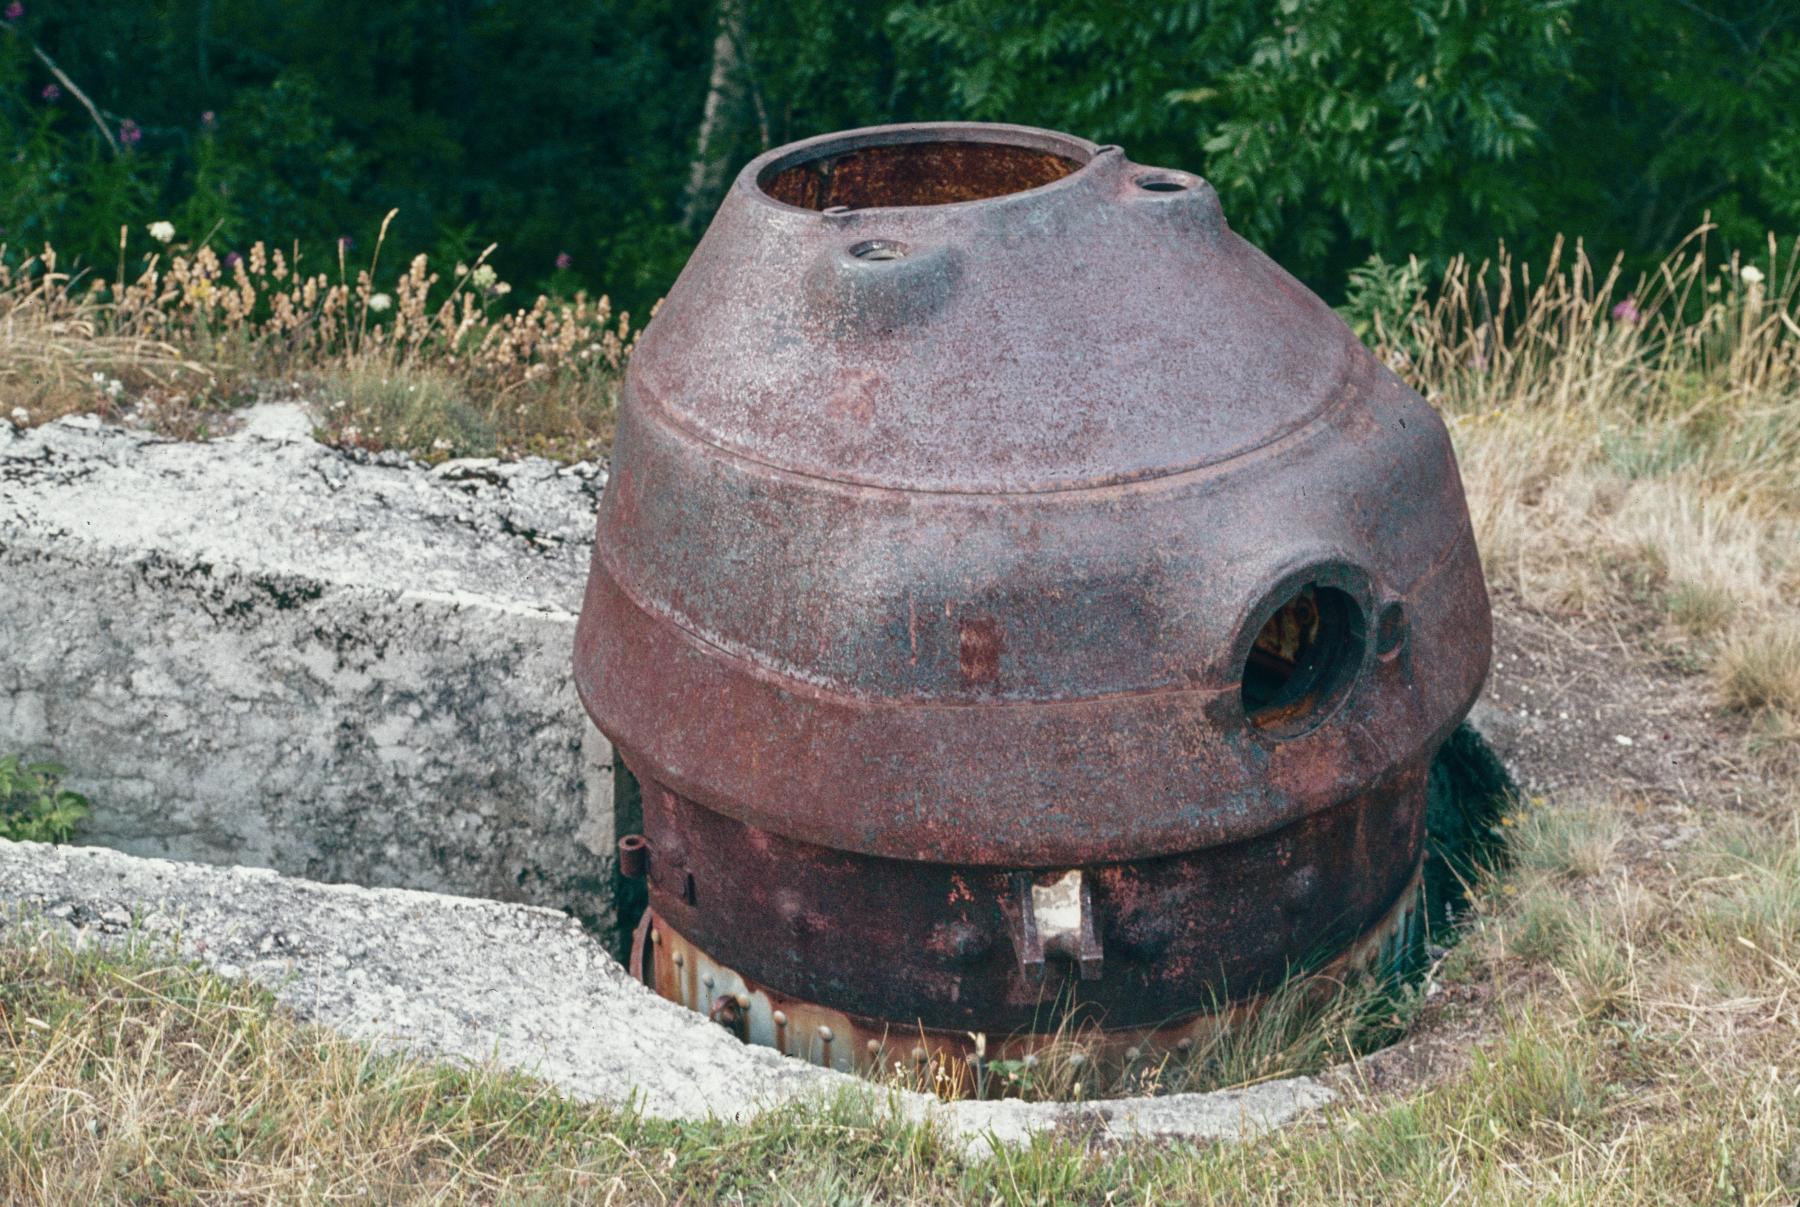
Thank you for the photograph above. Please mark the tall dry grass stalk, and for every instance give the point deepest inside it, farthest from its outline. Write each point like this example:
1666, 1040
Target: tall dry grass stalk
435, 365
1305, 1024
1625, 441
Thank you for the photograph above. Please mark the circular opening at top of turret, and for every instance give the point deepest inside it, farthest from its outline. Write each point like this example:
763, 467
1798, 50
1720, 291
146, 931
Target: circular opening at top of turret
932, 167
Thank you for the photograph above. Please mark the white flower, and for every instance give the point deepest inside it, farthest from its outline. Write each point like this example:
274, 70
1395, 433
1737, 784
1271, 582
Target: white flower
1752, 274
379, 302
501, 288
162, 232
484, 275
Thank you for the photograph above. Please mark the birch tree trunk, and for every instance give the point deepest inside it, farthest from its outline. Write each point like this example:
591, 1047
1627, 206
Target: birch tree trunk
706, 175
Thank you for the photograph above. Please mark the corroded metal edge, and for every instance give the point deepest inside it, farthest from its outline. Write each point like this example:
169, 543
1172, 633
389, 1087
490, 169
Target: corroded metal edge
681, 972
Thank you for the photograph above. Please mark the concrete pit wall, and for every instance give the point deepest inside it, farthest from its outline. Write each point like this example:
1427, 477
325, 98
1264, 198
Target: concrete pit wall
260, 651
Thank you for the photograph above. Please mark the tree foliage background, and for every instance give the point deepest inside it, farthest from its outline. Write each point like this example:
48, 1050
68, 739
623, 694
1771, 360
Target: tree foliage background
575, 134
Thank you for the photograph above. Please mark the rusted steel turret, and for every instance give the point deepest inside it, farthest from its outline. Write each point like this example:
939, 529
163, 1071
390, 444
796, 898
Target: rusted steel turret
1015, 589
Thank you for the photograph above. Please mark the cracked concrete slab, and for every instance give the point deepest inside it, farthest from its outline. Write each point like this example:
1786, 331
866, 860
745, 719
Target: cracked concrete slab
260, 650
477, 981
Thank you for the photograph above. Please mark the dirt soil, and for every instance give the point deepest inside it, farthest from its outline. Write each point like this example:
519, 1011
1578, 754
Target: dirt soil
1580, 710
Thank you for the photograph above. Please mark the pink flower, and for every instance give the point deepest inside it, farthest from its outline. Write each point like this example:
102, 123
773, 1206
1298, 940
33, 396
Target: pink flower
208, 120
51, 93
129, 134
232, 259
564, 260
1627, 312
14, 11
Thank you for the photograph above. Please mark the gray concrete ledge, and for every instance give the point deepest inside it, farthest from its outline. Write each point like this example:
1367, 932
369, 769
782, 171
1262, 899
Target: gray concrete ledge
262, 651
478, 981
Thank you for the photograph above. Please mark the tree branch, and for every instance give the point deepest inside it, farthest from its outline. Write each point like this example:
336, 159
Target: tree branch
707, 171
74, 91
1719, 21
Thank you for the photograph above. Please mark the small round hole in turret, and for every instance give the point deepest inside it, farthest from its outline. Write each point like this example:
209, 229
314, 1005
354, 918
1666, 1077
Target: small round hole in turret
1163, 182
879, 249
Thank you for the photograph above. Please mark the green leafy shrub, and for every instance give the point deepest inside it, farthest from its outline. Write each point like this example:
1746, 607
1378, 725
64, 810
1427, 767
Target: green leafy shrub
1330, 130
1380, 297
34, 806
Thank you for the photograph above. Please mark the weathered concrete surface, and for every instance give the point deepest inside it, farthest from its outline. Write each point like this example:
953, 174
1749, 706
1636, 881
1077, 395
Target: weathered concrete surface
261, 651
478, 980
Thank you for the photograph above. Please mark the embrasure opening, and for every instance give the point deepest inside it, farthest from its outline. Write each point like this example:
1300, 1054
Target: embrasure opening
914, 173
1303, 660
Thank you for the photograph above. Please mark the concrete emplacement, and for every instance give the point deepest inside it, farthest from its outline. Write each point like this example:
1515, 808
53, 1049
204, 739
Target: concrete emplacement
240, 648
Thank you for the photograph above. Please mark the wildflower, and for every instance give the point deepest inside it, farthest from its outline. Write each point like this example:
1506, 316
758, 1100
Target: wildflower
378, 302
564, 260
500, 289
1627, 312
14, 11
51, 94
129, 134
346, 243
1751, 274
208, 120
162, 232
232, 259
484, 275
462, 270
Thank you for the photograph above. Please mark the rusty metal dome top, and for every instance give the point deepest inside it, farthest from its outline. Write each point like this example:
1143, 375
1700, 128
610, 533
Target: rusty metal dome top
957, 482
867, 307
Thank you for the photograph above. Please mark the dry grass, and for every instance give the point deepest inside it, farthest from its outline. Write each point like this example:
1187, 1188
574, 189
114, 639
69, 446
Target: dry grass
1306, 1024
432, 365
1625, 447
1645, 1053
1760, 670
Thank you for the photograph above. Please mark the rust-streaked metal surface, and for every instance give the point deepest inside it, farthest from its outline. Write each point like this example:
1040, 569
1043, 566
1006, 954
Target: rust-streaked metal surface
984, 511
682, 972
